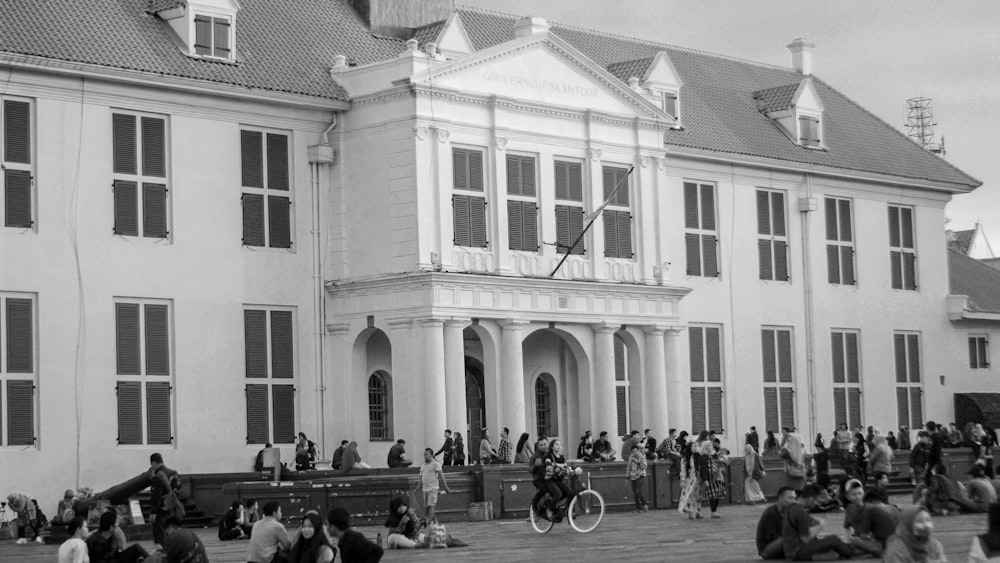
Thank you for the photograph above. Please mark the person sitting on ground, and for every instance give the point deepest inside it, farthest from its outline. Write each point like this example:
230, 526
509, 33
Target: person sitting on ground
352, 459
107, 544
536, 467
980, 489
769, 543
251, 514
986, 547
881, 485
311, 544
26, 517
826, 500
430, 474
268, 536
585, 449
854, 496
338, 455
305, 453
800, 532
523, 451
64, 510
397, 455
402, 523
183, 545
353, 545
602, 448
233, 525
74, 549
912, 540
944, 495
877, 522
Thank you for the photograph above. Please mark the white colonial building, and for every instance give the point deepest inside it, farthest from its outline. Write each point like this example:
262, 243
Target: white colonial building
226, 223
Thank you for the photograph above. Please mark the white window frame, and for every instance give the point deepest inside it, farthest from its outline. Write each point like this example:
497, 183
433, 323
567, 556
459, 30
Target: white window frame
615, 206
847, 386
800, 114
268, 191
5, 376
701, 231
664, 94
980, 363
904, 250
623, 383
529, 199
213, 15
909, 384
840, 243
484, 194
143, 378
140, 179
270, 381
777, 384
7, 165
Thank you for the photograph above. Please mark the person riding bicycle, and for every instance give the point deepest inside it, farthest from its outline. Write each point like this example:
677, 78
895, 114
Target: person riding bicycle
536, 466
556, 473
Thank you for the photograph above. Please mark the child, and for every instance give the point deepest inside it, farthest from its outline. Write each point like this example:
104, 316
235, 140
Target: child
354, 546
637, 476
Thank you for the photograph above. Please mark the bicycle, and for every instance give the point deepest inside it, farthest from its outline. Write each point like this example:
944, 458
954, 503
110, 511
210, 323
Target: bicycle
584, 512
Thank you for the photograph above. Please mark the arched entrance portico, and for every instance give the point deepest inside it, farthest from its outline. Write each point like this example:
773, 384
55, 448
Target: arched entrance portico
556, 380
475, 406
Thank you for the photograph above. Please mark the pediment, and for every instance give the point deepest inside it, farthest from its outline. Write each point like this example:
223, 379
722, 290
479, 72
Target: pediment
662, 74
541, 68
453, 39
806, 98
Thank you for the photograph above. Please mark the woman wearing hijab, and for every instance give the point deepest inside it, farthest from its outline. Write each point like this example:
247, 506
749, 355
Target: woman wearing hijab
402, 523
690, 500
311, 545
793, 453
523, 451
912, 541
753, 472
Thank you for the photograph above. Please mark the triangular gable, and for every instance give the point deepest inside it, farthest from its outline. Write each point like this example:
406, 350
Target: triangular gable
806, 97
541, 68
453, 39
661, 74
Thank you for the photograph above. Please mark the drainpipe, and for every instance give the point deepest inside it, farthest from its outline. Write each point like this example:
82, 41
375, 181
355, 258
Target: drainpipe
320, 156
807, 205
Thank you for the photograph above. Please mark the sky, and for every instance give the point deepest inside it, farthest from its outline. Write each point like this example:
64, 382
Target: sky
877, 52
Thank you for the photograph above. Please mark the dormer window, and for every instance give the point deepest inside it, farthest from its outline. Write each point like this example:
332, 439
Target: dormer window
809, 131
212, 37
204, 28
797, 111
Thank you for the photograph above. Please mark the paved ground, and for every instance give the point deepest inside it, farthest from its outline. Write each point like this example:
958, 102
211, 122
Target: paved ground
662, 535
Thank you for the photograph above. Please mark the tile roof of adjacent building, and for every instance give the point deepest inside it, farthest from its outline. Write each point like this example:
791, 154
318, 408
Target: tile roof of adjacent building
960, 240
978, 281
775, 99
428, 33
627, 69
160, 5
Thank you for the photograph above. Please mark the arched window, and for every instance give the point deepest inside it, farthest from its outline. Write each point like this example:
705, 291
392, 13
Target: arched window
379, 407
543, 407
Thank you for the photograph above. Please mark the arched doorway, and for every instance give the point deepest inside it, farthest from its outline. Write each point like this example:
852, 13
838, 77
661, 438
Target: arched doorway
475, 405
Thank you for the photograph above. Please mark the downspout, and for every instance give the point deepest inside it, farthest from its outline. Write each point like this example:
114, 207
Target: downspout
808, 204
320, 156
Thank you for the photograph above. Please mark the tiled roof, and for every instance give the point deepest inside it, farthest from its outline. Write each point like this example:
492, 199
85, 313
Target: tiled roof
978, 281
156, 6
775, 99
428, 33
961, 240
627, 69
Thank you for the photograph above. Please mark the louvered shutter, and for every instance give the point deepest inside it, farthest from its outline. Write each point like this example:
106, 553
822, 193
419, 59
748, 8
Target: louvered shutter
708, 207
909, 270
20, 413
283, 413
608, 182
844, 211
713, 355
154, 154
784, 355
763, 213
837, 354
123, 143
693, 252
697, 353
460, 169
529, 214
621, 404
853, 360
17, 131
840, 415
515, 227
899, 351
786, 398
279, 221
20, 336
767, 355
780, 260
203, 35
221, 37
575, 182
476, 171
710, 247
157, 340
252, 158
896, 263
984, 357
129, 412
158, 413
562, 180
699, 418
830, 207
771, 420
916, 408
624, 234
154, 210
973, 354
619, 351
17, 199
255, 342
126, 208
127, 336
913, 355
2, 406
253, 220
764, 259
903, 406
610, 219
282, 345
778, 213
575, 229
854, 407
906, 226
715, 409
691, 206
620, 177
847, 265
563, 239
514, 184
460, 206
893, 226
477, 221
833, 263
277, 162
257, 422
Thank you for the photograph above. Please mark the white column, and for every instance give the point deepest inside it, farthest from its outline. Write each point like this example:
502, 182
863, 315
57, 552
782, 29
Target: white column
677, 396
602, 383
512, 376
454, 374
655, 382
433, 410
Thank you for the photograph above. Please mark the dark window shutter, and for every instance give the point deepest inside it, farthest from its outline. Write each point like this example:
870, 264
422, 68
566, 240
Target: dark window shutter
127, 335
17, 131
477, 221
713, 359
126, 208
763, 213
906, 226
896, 264
833, 263
20, 336
157, 340
476, 171
529, 214
710, 247
575, 181
129, 412
610, 219
17, 199
984, 356
257, 422
154, 211
691, 206
279, 221
693, 252
764, 259
840, 406
221, 37
708, 207
621, 404
697, 352
624, 234
784, 355
460, 205
252, 158
253, 220
460, 169
283, 413
20, 413
973, 353
913, 355
575, 229
277, 162
830, 206
903, 407
899, 351
515, 184
837, 355
515, 225
909, 270
699, 418
780, 260
893, 226
916, 408
563, 239
255, 342
528, 176
768, 360
619, 177
853, 359
854, 407
154, 149
771, 420
715, 409
608, 181
203, 35
282, 345
847, 265
845, 219
158, 413
778, 213
787, 399
621, 373
123, 143
562, 180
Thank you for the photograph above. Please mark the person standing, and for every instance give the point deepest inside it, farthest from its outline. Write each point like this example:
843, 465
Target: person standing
164, 488
880, 458
713, 480
505, 451
523, 450
753, 472
182, 545
74, 550
690, 499
448, 448
636, 475
459, 449
430, 474
268, 536
793, 453
936, 450
919, 456
753, 439
487, 453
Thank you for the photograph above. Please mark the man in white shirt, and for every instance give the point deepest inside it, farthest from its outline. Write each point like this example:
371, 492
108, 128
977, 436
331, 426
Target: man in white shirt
430, 473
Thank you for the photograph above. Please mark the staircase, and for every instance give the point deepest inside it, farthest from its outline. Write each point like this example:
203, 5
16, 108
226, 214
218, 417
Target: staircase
194, 517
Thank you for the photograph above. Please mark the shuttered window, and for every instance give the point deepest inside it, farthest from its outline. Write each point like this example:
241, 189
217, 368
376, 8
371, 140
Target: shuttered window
778, 370
379, 407
269, 353
909, 390
622, 389
569, 207
143, 343
617, 216
701, 236
265, 172
469, 208
979, 352
212, 37
705, 355
839, 241
16, 163
140, 187
18, 369
902, 255
772, 236
522, 203
846, 363
809, 131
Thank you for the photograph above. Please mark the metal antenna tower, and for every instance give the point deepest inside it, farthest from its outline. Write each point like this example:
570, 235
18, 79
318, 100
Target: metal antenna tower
920, 124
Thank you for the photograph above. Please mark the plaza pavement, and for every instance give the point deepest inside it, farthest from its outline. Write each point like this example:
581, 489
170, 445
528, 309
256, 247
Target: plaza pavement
659, 535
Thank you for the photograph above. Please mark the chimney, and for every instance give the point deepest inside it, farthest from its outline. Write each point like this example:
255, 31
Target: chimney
397, 18
529, 26
801, 55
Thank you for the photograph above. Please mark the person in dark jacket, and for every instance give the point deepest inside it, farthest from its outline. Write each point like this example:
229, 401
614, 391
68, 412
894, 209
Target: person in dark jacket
919, 456
164, 481
397, 455
448, 448
353, 545
769, 544
338, 454
107, 544
233, 525
936, 451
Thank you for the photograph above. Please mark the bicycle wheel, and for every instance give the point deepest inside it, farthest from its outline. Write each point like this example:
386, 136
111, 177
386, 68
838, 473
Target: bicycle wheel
586, 511
541, 525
